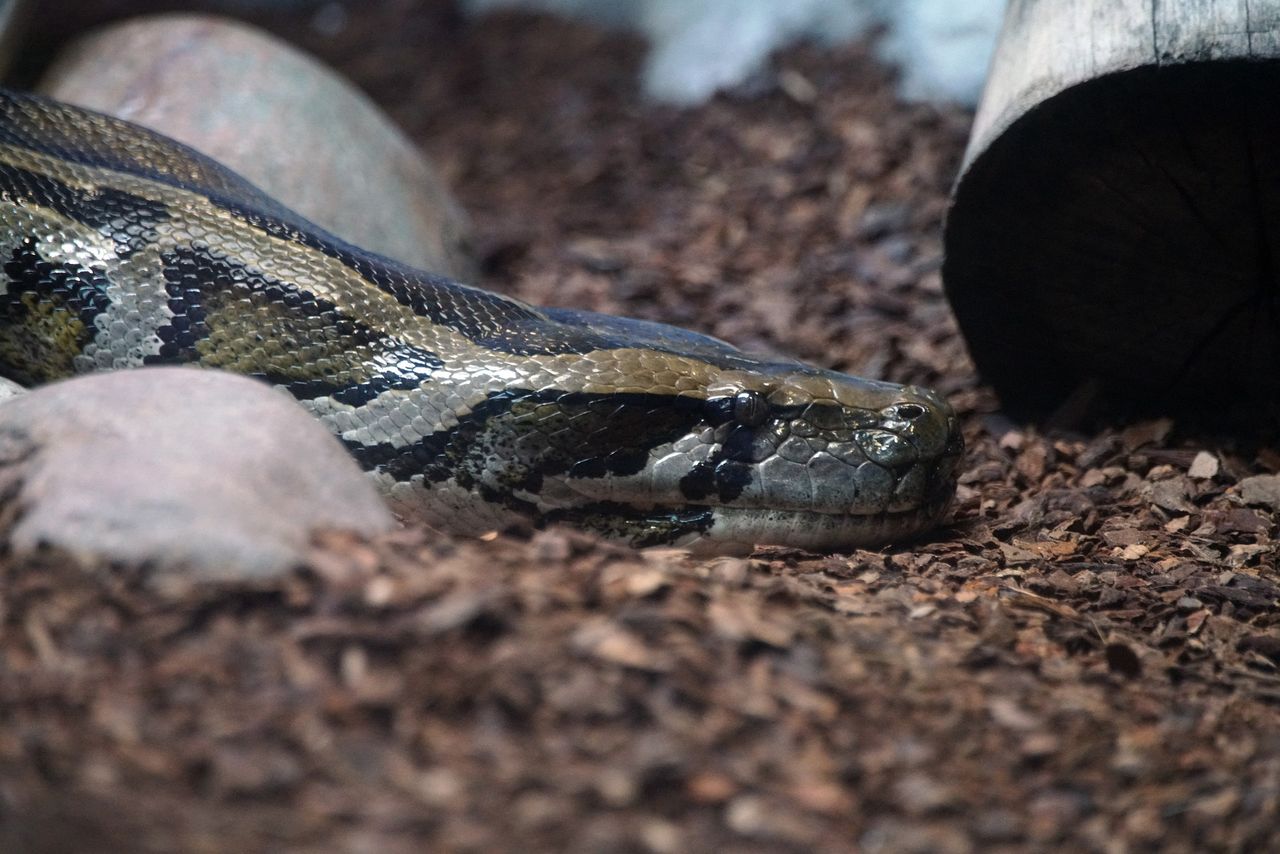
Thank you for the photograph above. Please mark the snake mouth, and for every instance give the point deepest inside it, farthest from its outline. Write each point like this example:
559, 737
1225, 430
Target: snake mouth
706, 528
738, 528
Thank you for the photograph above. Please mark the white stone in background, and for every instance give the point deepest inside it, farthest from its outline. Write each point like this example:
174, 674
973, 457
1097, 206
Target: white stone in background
943, 47
700, 46
196, 474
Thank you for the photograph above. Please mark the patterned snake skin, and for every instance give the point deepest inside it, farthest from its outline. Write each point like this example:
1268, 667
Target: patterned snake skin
122, 248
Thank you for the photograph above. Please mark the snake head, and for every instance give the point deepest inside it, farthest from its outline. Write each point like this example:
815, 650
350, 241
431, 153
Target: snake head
653, 435
780, 454
817, 459
755, 453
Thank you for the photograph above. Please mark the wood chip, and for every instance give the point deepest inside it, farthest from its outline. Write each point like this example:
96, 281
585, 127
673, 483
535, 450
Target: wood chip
1204, 466
1261, 491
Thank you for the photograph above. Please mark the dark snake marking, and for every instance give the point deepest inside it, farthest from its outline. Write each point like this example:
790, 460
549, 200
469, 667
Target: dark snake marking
202, 283
584, 437
129, 220
68, 296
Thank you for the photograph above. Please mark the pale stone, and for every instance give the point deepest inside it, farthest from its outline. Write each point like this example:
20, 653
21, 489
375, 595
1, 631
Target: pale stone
1204, 466
193, 473
279, 118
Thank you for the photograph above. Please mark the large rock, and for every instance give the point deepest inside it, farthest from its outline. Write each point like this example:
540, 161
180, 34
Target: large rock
279, 118
208, 475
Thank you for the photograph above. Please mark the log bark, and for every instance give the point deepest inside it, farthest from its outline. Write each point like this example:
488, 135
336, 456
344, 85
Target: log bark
1116, 223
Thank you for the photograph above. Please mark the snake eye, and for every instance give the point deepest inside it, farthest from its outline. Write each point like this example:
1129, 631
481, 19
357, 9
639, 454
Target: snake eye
750, 408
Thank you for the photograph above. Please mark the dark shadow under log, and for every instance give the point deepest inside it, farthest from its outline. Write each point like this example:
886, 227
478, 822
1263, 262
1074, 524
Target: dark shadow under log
1117, 224
1126, 232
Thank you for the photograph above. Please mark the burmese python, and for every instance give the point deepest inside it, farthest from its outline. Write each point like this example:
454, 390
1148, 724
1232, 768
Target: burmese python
123, 248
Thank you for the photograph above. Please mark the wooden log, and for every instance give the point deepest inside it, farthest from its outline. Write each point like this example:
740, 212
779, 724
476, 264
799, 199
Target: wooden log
1116, 223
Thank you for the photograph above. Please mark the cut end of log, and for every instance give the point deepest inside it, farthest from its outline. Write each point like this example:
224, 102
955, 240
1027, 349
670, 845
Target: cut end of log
1124, 234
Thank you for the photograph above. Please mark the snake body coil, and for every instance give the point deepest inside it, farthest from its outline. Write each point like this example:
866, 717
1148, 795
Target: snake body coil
122, 248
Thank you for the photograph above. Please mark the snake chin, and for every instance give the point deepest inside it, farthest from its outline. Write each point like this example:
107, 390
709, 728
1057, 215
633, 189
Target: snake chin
737, 530
721, 530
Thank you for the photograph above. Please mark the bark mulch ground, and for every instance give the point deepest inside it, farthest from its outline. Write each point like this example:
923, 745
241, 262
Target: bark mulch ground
1086, 658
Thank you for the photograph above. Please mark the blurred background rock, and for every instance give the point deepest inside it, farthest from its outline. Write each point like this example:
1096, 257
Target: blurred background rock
700, 46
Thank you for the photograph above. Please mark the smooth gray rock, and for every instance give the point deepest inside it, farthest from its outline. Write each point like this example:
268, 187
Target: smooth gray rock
195, 474
290, 125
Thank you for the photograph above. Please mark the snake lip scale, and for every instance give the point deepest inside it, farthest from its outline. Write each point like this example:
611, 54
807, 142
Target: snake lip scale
122, 248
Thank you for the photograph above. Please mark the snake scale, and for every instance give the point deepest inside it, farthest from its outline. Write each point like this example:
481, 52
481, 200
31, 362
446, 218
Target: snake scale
122, 248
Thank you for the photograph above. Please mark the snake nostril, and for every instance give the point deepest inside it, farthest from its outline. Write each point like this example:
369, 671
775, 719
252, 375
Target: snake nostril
910, 411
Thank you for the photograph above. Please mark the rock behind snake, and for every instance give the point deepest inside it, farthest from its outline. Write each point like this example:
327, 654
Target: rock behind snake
473, 410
